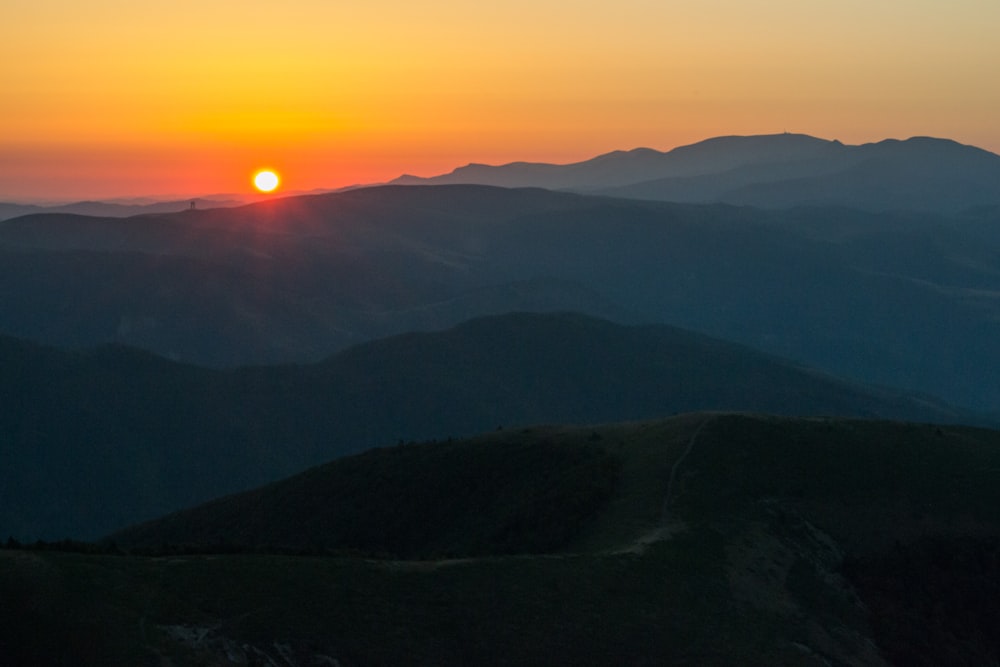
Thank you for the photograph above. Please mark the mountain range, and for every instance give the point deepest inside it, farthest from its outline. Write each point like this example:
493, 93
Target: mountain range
94, 440
265, 417
113, 209
770, 171
898, 299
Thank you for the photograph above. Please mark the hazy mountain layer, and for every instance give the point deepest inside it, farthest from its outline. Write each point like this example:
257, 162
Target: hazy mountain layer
773, 171
622, 168
898, 299
95, 440
112, 209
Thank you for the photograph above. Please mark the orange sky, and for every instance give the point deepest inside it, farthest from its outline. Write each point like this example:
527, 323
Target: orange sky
114, 98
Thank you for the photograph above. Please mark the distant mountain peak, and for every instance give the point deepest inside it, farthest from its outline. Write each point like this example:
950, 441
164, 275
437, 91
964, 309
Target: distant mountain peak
779, 170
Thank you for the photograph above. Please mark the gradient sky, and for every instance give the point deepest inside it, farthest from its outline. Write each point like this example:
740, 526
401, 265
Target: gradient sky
120, 98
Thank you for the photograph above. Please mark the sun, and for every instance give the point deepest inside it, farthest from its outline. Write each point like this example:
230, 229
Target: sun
266, 180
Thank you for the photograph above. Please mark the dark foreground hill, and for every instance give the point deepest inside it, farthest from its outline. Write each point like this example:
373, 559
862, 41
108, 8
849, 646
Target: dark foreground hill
99, 439
894, 299
706, 539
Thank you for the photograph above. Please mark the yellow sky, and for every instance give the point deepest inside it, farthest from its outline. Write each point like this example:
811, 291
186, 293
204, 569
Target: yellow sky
114, 97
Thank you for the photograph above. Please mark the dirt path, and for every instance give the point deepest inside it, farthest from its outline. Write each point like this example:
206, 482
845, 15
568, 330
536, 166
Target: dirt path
666, 528
665, 513
661, 532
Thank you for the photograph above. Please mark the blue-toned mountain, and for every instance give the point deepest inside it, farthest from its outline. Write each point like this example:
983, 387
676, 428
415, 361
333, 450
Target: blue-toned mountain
900, 299
94, 440
773, 171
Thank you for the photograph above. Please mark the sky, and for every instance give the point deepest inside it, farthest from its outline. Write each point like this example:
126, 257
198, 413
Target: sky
116, 98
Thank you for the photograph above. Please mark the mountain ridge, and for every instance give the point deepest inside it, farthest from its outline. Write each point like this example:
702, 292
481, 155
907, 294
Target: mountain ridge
97, 208
857, 294
769, 171
734, 148
94, 439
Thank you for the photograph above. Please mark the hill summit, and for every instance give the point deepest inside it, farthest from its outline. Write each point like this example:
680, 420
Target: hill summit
799, 541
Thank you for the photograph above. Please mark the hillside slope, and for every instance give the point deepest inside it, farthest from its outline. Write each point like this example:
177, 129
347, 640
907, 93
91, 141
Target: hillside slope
894, 299
865, 483
98, 439
709, 539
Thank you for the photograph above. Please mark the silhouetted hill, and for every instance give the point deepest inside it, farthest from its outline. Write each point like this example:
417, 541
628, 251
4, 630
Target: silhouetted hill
112, 209
522, 494
98, 439
773, 171
708, 539
621, 168
900, 299
921, 174
544, 489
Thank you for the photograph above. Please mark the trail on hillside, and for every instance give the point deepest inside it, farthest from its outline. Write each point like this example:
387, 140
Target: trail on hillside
639, 545
665, 514
665, 529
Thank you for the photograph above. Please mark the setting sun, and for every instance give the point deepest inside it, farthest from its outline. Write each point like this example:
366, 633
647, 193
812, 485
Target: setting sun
265, 181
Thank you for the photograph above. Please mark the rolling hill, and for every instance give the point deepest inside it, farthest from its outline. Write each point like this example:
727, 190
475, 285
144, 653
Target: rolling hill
542, 489
898, 299
94, 440
709, 539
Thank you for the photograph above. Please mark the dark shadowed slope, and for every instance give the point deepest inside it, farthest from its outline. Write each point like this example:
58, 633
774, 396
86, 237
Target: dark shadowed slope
544, 489
799, 541
572, 368
95, 440
520, 493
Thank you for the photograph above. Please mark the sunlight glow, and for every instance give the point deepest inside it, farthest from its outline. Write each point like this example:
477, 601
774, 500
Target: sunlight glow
344, 96
265, 181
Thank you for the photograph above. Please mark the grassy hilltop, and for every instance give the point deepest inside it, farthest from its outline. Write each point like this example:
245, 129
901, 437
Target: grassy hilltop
703, 539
